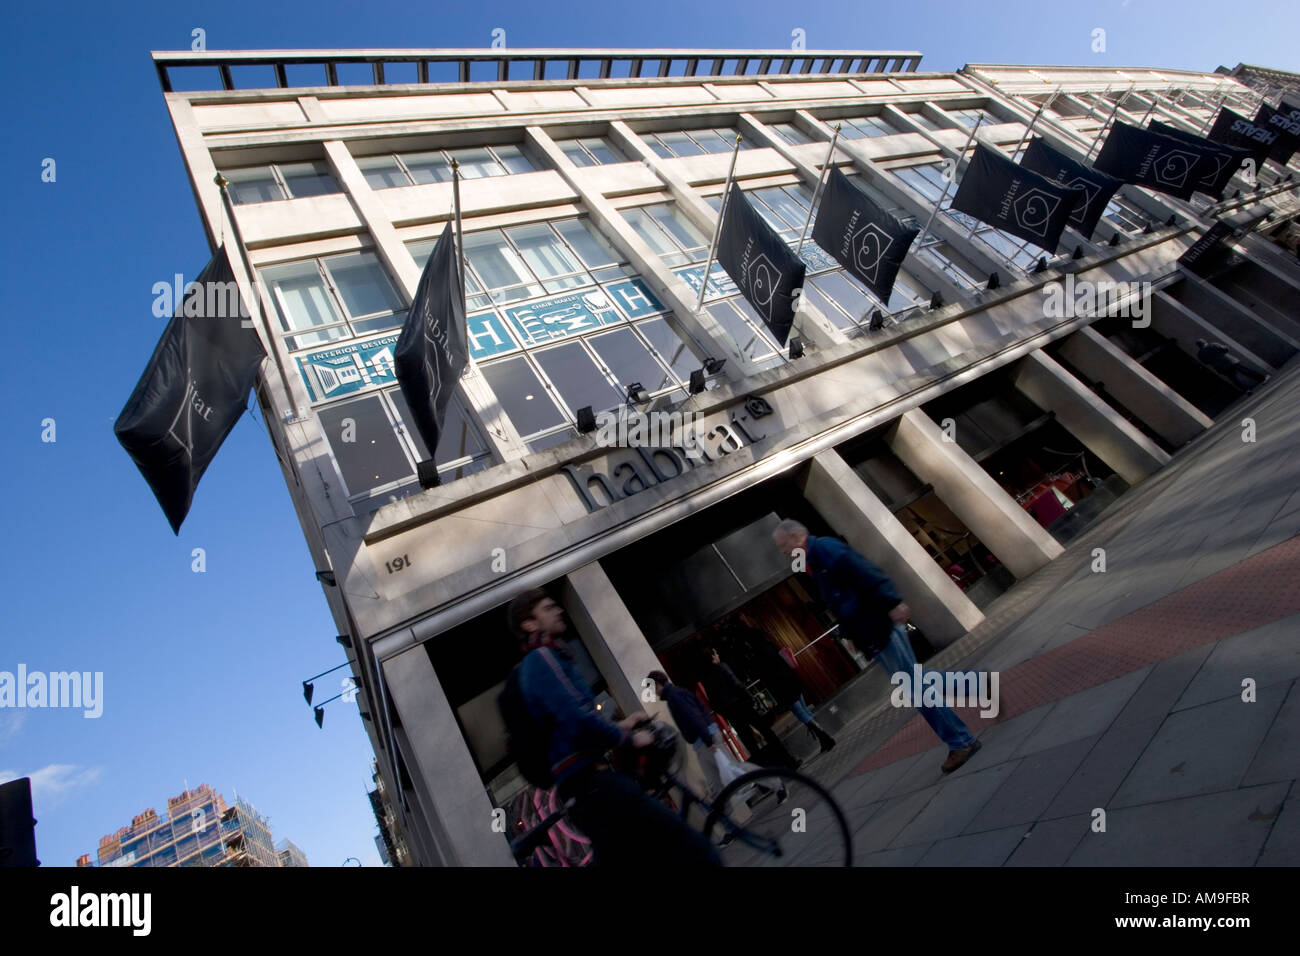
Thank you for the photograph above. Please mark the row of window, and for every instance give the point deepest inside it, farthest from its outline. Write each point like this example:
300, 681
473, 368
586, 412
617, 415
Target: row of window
275, 181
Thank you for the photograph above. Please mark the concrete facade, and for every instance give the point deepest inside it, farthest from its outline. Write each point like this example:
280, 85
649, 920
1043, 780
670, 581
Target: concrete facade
528, 509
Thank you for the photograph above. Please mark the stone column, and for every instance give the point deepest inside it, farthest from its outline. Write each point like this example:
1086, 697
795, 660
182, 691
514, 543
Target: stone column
459, 813
849, 505
1005, 528
1101, 429
1167, 413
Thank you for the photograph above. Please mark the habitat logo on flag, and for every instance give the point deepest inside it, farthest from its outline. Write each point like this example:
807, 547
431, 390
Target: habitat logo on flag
763, 267
1014, 199
1097, 188
1219, 162
865, 239
1143, 156
1233, 129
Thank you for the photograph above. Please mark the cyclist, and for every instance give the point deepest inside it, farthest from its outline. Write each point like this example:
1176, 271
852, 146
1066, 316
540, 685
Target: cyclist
626, 825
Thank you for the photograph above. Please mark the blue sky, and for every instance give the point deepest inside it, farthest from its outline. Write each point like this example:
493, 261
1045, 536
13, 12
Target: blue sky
202, 670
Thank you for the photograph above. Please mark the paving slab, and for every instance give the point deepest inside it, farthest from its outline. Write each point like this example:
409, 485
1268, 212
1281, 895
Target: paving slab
955, 804
1083, 714
1099, 775
876, 826
1164, 684
1031, 787
1217, 829
1282, 848
1050, 842
1269, 654
990, 848
1278, 757
1200, 750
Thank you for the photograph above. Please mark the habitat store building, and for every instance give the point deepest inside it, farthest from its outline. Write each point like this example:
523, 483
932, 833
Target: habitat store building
958, 434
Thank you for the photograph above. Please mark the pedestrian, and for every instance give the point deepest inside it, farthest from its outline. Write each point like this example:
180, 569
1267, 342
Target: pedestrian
729, 697
626, 825
871, 612
696, 725
1218, 357
782, 680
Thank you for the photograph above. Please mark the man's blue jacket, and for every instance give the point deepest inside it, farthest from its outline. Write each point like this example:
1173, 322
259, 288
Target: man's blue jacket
553, 688
857, 592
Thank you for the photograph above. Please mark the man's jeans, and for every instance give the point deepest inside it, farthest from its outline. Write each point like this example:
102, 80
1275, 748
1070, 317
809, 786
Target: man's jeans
897, 656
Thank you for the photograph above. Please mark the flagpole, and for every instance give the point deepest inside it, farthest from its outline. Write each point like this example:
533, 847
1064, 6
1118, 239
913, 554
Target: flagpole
948, 184
1030, 128
460, 236
1155, 98
1223, 98
717, 229
264, 333
1110, 119
821, 181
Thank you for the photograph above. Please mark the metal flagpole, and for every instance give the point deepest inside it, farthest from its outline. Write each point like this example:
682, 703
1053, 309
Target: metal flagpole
264, 332
1155, 98
821, 181
717, 229
1110, 119
1223, 98
948, 183
1030, 128
460, 236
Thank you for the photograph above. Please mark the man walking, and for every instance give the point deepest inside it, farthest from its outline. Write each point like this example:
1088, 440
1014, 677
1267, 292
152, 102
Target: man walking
872, 614
1218, 357
695, 723
627, 827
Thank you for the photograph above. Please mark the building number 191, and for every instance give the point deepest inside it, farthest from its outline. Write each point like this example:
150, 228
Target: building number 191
397, 564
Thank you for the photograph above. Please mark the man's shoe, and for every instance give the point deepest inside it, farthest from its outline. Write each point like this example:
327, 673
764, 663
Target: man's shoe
958, 757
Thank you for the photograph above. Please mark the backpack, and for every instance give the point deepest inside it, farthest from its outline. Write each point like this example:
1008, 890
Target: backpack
528, 738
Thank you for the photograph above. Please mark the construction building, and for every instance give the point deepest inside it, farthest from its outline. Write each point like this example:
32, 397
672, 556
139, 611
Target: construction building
960, 434
200, 829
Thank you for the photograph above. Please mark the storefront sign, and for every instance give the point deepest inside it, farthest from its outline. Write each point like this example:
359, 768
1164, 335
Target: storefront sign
345, 369
643, 467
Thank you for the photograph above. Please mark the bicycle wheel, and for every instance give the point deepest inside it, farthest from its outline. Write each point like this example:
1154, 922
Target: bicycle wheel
753, 825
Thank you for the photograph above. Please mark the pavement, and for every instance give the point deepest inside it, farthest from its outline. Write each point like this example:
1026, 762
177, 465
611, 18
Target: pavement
1149, 713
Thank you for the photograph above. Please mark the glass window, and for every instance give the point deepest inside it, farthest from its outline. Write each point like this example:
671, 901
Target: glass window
644, 227
790, 209
679, 227
499, 266
308, 179
680, 144
670, 347
382, 172
847, 294
363, 284
256, 184
577, 155
791, 133
300, 293
924, 120
513, 159
752, 344
551, 440
970, 117
577, 378
365, 444
457, 440
522, 396
543, 251
592, 248
712, 141
627, 357
476, 163
428, 167
603, 151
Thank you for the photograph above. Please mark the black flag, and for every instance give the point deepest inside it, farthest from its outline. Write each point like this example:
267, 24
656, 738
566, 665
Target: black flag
1286, 126
430, 354
863, 238
1220, 162
1072, 174
764, 268
1135, 155
1017, 200
193, 390
1233, 129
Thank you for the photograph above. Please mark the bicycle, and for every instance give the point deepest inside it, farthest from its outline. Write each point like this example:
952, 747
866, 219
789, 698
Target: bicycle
819, 835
